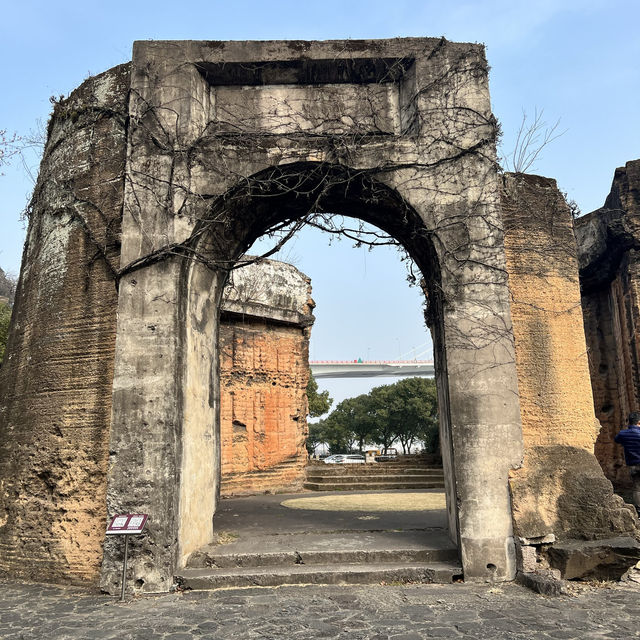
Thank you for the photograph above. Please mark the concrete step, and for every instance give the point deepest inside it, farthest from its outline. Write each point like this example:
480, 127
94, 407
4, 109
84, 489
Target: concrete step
368, 469
362, 547
372, 485
422, 477
432, 572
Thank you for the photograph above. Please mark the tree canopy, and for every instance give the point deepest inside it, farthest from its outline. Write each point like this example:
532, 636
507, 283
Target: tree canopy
404, 412
5, 317
319, 403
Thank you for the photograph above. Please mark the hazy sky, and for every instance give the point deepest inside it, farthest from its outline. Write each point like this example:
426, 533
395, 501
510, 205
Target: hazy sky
576, 59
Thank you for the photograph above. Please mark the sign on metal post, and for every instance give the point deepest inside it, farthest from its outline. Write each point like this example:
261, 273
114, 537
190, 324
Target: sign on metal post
126, 524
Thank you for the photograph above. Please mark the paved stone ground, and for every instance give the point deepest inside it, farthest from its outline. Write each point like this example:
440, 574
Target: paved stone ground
401, 612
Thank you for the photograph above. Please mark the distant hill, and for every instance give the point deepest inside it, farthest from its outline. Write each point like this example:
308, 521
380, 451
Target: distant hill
7, 286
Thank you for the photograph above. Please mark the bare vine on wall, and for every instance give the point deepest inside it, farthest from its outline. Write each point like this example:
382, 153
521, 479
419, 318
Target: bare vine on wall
532, 138
315, 156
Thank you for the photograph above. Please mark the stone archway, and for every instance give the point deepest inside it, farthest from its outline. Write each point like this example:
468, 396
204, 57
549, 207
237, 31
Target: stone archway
253, 136
159, 173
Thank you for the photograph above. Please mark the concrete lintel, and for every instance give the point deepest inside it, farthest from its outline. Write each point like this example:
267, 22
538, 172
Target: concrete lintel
233, 309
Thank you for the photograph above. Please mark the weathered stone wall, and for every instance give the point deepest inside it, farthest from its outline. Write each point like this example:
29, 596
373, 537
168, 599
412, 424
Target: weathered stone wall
415, 157
609, 257
55, 382
264, 368
560, 489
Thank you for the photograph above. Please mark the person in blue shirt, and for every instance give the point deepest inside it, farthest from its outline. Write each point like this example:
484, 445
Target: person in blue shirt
629, 438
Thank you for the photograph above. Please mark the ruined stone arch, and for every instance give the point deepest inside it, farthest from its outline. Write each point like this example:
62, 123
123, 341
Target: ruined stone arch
159, 174
250, 210
476, 465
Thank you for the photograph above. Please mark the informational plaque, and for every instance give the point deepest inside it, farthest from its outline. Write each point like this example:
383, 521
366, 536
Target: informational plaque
127, 523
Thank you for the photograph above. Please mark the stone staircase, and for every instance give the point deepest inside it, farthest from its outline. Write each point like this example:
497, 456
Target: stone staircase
349, 558
405, 472
286, 476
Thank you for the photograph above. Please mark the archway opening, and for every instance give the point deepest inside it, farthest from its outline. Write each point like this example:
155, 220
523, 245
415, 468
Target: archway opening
278, 202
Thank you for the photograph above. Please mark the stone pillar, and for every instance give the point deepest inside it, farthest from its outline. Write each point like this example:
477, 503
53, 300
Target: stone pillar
560, 490
55, 381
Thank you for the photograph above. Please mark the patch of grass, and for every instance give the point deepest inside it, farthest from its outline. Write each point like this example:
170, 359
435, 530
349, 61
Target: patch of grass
225, 537
370, 502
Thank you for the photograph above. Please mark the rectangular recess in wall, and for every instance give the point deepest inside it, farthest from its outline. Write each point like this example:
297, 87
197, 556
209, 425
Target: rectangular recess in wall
305, 71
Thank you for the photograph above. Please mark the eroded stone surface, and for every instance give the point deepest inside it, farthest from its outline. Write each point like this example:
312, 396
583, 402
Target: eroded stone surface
560, 489
608, 250
56, 379
91, 426
264, 369
594, 560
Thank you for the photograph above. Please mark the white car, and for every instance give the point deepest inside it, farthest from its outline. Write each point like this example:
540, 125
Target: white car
343, 458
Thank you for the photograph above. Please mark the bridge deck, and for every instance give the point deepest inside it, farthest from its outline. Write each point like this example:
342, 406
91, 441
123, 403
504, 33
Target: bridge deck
371, 369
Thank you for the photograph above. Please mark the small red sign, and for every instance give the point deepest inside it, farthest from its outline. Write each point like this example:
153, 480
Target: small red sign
127, 523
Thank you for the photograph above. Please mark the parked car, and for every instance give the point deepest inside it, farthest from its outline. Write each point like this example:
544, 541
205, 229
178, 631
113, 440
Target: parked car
387, 454
344, 458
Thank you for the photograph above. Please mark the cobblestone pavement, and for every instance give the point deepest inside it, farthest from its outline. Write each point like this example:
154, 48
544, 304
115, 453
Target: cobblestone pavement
401, 612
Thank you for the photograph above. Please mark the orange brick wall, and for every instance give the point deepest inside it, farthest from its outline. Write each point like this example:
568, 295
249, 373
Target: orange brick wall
264, 374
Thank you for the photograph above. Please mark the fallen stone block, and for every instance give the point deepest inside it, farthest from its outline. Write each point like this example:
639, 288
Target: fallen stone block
544, 583
594, 559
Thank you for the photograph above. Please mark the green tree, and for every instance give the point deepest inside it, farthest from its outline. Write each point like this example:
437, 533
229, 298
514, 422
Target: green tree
350, 424
406, 411
412, 408
330, 432
337, 434
316, 436
319, 403
5, 317
383, 429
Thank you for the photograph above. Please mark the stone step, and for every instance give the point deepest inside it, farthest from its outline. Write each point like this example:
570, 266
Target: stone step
267, 473
419, 477
363, 547
286, 474
366, 469
278, 468
371, 485
374, 474
431, 572
383, 463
